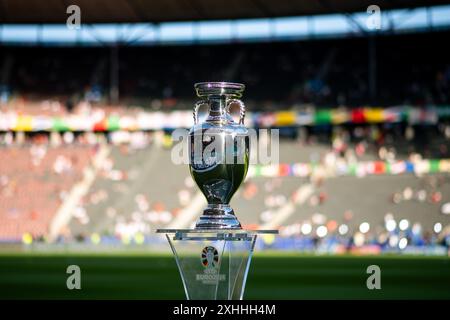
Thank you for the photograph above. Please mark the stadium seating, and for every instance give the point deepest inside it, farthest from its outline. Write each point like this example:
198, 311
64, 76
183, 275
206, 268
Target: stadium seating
34, 182
327, 72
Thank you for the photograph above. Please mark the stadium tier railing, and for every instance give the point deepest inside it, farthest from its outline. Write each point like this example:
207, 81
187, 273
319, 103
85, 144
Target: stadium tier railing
11, 120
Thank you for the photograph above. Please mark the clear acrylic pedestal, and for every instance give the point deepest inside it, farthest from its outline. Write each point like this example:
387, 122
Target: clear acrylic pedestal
213, 264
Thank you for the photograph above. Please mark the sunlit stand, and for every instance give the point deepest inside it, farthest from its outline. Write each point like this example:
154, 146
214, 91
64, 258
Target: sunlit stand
213, 264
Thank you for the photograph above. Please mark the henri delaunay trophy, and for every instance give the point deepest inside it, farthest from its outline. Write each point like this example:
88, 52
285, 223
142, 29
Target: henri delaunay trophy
214, 258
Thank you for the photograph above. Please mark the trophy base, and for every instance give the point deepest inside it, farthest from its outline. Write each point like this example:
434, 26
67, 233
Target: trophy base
213, 264
218, 216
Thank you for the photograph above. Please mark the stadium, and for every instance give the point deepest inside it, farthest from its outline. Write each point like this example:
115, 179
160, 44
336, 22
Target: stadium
361, 99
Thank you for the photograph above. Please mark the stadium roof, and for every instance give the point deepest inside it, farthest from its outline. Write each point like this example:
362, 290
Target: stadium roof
127, 11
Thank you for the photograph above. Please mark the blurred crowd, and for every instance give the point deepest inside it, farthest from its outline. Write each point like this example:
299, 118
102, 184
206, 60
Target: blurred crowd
40, 169
324, 73
131, 195
392, 236
34, 181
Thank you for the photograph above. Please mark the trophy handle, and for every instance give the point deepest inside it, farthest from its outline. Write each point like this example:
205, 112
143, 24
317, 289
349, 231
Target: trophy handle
198, 104
241, 106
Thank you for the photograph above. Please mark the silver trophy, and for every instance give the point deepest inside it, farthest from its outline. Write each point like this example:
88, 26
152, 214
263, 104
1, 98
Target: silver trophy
214, 258
220, 170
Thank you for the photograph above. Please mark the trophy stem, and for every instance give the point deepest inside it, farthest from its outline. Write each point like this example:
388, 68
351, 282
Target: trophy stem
218, 216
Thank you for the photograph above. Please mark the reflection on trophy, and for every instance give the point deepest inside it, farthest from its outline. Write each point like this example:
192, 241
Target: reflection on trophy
214, 258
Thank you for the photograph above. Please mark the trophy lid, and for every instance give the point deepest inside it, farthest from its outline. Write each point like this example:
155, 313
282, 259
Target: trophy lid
229, 89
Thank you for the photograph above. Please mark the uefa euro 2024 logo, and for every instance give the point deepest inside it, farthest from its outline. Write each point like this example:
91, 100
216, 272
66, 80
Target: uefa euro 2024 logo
210, 257
210, 261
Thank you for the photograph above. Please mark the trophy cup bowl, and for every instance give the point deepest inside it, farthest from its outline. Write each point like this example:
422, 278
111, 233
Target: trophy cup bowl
219, 152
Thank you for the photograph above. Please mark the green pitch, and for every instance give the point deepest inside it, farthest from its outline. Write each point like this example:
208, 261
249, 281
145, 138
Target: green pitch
272, 276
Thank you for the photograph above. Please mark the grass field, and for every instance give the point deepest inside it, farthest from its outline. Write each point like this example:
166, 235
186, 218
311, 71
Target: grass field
272, 276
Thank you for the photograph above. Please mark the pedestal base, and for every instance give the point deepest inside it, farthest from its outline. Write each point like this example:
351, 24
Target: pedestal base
213, 264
